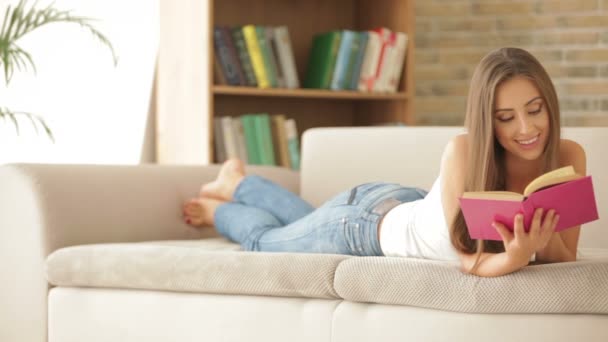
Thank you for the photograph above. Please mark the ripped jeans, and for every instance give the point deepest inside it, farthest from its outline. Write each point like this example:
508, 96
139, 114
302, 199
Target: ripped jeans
266, 217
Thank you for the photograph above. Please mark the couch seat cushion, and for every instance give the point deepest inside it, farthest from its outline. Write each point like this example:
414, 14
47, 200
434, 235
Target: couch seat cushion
205, 266
572, 287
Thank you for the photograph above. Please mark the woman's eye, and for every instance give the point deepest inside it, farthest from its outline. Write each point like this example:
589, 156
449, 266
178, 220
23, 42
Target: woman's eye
505, 118
536, 111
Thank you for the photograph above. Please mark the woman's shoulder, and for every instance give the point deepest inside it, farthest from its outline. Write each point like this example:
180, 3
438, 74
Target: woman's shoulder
455, 152
572, 153
458, 144
570, 146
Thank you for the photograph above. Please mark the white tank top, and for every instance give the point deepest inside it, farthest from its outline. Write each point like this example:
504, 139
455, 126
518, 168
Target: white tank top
418, 229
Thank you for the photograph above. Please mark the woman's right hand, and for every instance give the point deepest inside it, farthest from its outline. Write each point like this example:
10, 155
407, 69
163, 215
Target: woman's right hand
521, 245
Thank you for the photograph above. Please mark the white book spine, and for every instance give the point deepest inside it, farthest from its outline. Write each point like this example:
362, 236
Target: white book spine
229, 137
370, 61
401, 47
286, 59
385, 67
241, 145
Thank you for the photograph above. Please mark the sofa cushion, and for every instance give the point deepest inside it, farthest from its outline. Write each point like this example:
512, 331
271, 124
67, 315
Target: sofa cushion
205, 266
573, 287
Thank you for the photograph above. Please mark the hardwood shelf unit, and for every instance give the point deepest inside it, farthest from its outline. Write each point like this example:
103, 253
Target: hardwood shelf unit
304, 19
185, 115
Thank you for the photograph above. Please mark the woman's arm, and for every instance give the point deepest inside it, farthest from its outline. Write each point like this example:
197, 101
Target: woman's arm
491, 264
564, 245
453, 171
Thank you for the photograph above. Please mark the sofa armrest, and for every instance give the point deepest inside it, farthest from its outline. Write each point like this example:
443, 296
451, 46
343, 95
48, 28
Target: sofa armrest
81, 204
47, 207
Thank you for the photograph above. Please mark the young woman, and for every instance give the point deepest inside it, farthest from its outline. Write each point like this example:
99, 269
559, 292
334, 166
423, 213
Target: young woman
513, 136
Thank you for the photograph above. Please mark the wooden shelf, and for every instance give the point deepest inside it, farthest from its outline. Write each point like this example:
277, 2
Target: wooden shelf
188, 100
307, 93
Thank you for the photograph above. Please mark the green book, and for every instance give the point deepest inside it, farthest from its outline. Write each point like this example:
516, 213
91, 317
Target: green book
293, 144
322, 60
266, 55
251, 143
264, 139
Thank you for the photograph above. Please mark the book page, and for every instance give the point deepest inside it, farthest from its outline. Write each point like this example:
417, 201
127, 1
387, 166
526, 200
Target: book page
494, 195
557, 176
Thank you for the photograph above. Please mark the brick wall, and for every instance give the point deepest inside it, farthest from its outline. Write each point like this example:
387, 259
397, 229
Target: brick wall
569, 37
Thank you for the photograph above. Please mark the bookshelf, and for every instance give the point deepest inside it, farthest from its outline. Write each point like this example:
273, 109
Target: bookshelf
309, 107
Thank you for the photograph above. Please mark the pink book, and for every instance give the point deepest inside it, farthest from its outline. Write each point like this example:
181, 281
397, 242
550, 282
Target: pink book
573, 200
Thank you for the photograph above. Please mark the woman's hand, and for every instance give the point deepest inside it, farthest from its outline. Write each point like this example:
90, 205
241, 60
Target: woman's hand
519, 245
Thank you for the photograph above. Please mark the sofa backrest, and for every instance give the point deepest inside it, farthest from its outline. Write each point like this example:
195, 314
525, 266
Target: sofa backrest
335, 159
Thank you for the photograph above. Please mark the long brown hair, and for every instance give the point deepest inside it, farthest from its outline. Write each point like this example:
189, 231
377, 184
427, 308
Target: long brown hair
486, 164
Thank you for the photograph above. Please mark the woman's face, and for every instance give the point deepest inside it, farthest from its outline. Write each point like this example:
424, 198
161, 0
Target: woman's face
521, 119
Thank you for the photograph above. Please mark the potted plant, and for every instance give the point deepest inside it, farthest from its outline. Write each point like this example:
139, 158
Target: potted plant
24, 19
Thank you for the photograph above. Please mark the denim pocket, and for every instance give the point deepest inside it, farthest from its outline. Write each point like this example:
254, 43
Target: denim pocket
359, 192
352, 236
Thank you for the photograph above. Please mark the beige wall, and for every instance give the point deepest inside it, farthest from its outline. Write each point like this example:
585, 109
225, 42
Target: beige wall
570, 37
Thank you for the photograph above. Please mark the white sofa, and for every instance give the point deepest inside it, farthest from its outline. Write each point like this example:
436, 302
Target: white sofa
99, 253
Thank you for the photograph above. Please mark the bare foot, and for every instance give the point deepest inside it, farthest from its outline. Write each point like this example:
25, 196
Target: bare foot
199, 212
229, 177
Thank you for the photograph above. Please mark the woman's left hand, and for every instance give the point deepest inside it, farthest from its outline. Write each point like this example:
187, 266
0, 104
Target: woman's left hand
522, 244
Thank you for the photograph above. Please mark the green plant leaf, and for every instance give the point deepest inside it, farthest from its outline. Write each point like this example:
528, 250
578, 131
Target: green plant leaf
35, 120
19, 21
11, 116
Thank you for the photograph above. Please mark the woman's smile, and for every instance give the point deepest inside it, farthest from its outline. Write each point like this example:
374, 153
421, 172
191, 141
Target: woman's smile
529, 143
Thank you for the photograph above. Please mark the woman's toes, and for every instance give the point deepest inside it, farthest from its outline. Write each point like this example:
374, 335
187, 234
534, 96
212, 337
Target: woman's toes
195, 221
192, 207
192, 212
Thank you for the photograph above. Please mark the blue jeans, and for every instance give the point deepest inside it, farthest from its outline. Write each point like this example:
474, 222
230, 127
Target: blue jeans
266, 217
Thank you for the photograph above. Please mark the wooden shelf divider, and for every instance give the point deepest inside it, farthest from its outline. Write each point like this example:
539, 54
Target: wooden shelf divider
307, 93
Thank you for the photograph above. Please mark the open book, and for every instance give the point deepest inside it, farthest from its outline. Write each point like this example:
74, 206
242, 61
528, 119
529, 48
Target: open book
568, 193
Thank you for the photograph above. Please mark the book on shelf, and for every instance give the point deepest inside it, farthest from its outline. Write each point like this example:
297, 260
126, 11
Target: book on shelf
322, 60
343, 57
241, 47
563, 190
226, 54
387, 39
218, 74
392, 64
279, 137
241, 145
264, 139
293, 143
398, 61
218, 137
367, 73
229, 136
255, 53
269, 64
286, 58
274, 56
251, 140
358, 64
